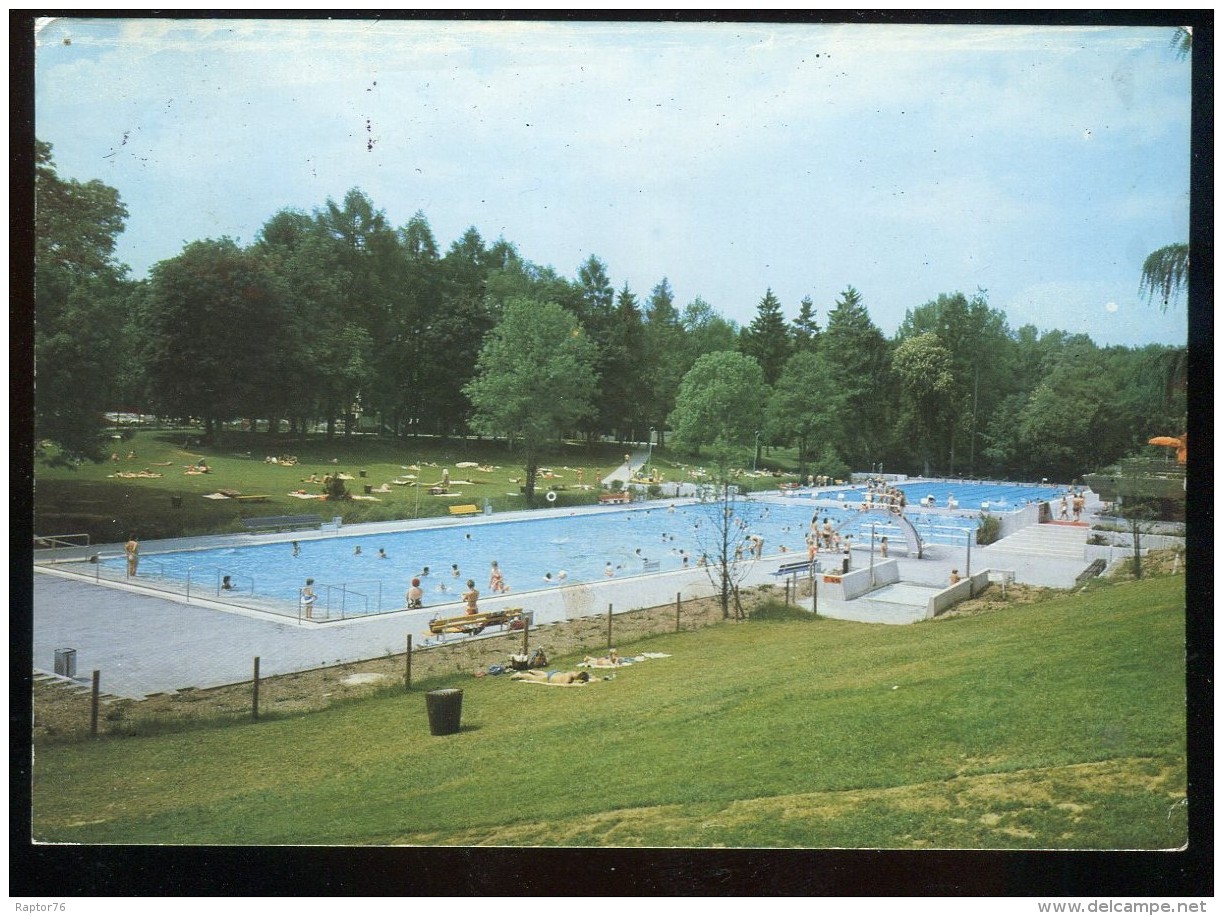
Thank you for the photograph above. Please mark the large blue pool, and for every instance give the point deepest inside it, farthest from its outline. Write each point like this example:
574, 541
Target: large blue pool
571, 548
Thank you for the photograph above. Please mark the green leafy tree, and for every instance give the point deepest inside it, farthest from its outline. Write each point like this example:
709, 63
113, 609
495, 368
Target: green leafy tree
806, 406
705, 331
533, 379
718, 402
1073, 422
328, 366
81, 308
367, 250
767, 338
982, 352
923, 367
221, 340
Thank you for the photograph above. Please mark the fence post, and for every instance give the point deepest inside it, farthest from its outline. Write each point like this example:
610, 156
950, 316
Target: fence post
407, 672
526, 629
255, 691
609, 626
677, 594
787, 591
93, 704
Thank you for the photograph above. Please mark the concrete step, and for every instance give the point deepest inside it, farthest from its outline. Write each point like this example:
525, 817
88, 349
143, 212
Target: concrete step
1054, 541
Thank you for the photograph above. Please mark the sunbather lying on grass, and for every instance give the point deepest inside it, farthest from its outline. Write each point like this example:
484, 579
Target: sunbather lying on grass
556, 678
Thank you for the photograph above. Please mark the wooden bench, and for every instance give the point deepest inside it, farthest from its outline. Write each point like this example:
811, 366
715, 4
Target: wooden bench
465, 510
282, 522
614, 497
474, 623
258, 498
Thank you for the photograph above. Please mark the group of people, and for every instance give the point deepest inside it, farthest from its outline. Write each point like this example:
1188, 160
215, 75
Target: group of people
885, 495
1074, 503
415, 595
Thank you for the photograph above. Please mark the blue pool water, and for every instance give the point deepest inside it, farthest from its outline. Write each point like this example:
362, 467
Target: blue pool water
633, 541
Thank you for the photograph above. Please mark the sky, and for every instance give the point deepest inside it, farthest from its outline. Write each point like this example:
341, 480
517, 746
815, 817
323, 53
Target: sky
1040, 164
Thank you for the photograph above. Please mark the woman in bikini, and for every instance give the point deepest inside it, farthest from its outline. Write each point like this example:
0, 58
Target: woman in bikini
563, 678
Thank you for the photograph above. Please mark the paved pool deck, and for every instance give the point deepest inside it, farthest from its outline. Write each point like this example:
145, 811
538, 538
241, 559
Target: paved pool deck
143, 642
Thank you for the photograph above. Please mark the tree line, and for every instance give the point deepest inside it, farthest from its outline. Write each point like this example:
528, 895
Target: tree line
336, 313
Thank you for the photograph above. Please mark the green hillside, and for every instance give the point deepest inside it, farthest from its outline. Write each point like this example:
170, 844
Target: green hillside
1052, 725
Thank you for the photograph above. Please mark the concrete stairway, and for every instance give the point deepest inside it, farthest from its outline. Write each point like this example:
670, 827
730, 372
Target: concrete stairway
1063, 542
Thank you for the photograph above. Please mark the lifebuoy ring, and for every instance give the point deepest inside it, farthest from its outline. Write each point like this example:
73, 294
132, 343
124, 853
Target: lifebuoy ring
550, 496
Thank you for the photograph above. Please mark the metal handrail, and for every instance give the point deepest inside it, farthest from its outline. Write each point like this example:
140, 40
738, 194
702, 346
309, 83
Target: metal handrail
55, 541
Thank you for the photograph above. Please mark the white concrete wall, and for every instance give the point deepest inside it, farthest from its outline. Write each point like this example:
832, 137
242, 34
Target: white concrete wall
954, 594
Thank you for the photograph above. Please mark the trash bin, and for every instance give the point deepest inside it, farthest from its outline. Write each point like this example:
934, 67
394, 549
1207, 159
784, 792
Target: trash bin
445, 710
65, 662
361, 472
369, 488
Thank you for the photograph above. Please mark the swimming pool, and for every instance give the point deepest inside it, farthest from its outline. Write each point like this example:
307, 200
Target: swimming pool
363, 573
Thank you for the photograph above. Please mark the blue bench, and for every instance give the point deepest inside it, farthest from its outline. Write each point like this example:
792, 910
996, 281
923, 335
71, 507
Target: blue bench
793, 568
282, 522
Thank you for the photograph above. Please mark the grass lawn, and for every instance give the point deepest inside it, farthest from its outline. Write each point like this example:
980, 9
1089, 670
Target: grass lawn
1053, 725
90, 499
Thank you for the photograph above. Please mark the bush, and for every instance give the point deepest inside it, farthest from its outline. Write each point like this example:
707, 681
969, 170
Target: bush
772, 609
988, 529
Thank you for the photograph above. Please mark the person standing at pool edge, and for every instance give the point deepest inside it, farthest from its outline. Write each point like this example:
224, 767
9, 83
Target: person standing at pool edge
496, 581
308, 598
132, 551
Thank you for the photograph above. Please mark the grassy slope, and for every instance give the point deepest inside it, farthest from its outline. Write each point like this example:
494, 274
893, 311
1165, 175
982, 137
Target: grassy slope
1056, 725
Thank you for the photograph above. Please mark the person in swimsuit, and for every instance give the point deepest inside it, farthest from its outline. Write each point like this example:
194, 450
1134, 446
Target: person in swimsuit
565, 678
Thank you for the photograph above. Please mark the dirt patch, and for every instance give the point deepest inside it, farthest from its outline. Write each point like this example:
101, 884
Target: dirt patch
992, 599
62, 713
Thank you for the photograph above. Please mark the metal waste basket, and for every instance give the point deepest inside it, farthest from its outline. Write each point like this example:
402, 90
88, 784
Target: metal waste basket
445, 711
65, 662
